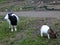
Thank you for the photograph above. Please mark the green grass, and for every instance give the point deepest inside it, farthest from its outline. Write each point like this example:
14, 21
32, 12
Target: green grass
1, 0
28, 32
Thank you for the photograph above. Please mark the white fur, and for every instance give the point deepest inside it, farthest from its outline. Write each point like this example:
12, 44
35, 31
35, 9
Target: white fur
11, 26
44, 29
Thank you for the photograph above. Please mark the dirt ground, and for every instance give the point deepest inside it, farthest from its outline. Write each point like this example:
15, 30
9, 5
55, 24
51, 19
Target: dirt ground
40, 14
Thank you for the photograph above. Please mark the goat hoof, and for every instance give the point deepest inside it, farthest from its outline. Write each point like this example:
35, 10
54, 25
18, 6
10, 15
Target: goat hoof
15, 29
11, 30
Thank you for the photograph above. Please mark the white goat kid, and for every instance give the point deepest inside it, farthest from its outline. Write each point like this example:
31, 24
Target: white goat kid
47, 30
12, 19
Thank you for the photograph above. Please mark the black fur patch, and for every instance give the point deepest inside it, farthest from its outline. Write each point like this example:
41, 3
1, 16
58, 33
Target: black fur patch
12, 19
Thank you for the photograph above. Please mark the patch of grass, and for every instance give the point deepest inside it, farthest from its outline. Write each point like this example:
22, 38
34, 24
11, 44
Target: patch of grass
16, 8
28, 32
1, 1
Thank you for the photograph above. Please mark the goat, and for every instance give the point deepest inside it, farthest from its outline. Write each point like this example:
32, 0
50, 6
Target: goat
47, 30
12, 19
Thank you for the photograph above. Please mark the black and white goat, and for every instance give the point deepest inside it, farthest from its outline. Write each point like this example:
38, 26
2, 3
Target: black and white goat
45, 29
12, 19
